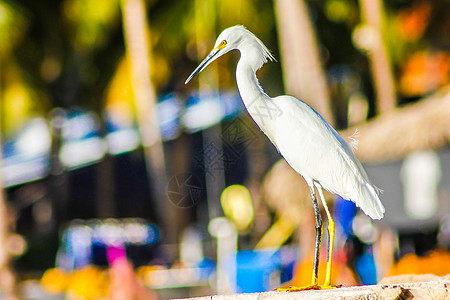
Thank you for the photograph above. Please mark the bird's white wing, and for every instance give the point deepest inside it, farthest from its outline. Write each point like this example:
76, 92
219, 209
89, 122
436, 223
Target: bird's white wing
316, 151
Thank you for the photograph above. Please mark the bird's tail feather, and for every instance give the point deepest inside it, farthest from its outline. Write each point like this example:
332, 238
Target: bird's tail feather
369, 201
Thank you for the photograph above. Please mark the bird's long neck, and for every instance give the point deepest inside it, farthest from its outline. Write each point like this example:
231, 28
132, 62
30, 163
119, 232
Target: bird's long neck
259, 105
248, 84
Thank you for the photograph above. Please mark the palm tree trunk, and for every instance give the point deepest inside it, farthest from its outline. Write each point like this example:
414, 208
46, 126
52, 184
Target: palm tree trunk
136, 35
8, 283
372, 16
300, 57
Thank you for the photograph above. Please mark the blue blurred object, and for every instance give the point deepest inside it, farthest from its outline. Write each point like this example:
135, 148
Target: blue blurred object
254, 269
209, 108
78, 243
206, 267
288, 259
26, 156
365, 266
169, 116
231, 104
82, 144
345, 211
263, 270
86, 242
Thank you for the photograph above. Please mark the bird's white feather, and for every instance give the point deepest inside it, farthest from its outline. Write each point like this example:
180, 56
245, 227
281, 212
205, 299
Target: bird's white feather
354, 139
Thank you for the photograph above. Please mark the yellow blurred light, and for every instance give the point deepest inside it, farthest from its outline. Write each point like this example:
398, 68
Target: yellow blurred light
119, 95
150, 275
365, 37
90, 20
19, 99
119, 98
237, 205
337, 10
160, 70
88, 283
278, 234
54, 280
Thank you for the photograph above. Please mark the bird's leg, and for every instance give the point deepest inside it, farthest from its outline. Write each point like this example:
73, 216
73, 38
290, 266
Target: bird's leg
331, 231
318, 240
319, 231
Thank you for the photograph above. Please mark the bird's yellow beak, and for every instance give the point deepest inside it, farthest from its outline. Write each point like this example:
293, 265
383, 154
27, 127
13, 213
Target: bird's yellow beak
209, 59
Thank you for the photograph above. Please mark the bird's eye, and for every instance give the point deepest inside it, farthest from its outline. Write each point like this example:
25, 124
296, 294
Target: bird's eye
223, 43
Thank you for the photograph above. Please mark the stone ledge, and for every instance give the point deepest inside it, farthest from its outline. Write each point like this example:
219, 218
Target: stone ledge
404, 291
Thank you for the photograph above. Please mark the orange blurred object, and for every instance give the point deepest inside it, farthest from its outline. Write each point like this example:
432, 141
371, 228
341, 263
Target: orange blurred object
425, 72
414, 20
437, 263
341, 273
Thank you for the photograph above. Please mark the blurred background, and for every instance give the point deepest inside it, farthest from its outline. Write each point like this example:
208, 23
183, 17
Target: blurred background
120, 182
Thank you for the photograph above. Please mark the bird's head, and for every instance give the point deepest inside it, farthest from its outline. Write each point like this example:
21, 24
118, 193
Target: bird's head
230, 39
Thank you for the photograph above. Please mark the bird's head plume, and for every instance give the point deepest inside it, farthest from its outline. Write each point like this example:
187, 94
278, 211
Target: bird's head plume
240, 38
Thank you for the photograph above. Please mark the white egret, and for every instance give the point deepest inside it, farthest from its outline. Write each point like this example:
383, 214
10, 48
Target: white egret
307, 142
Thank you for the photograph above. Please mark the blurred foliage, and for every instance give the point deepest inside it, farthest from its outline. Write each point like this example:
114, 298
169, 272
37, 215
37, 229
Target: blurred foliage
421, 67
342, 11
405, 28
17, 95
190, 28
415, 36
71, 50
90, 21
13, 24
20, 101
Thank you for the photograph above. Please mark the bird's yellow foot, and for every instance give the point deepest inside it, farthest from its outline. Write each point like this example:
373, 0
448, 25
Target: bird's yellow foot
308, 287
